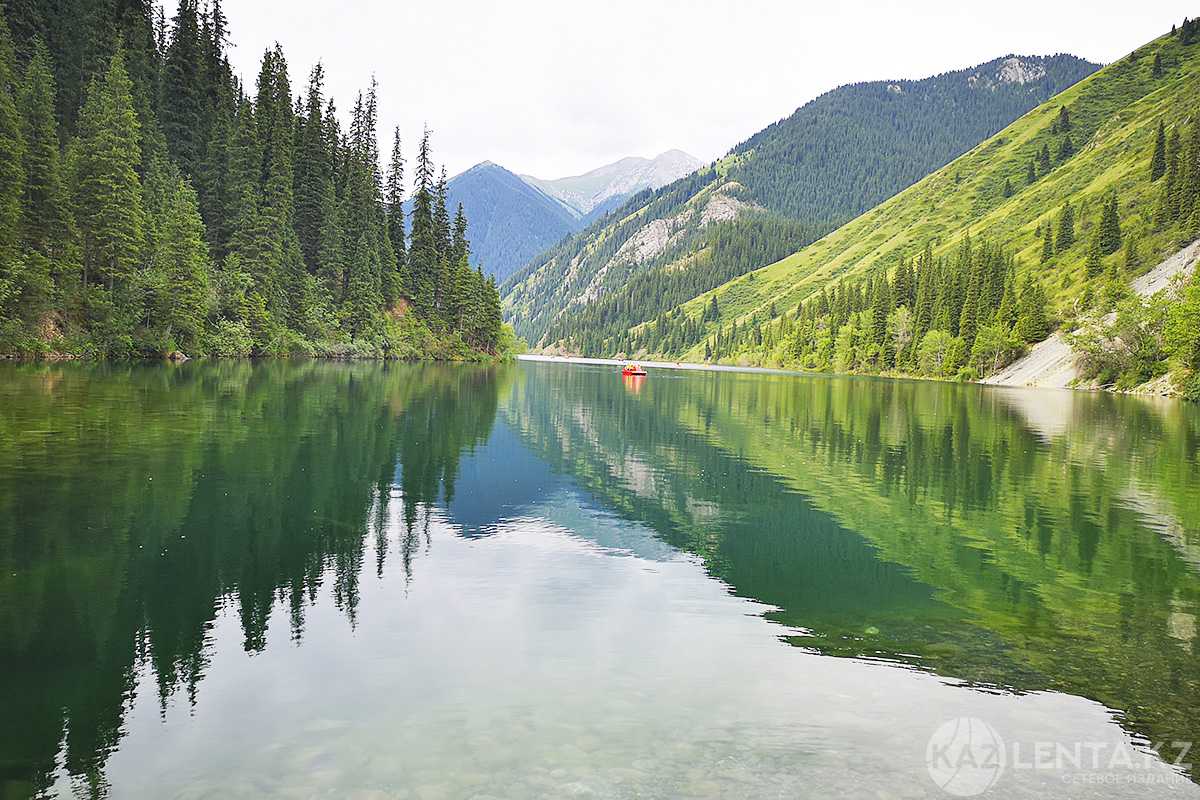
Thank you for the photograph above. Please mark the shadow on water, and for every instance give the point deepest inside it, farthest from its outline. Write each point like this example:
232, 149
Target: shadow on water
1019, 541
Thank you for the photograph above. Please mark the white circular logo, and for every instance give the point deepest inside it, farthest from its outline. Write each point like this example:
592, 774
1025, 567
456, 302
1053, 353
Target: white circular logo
965, 756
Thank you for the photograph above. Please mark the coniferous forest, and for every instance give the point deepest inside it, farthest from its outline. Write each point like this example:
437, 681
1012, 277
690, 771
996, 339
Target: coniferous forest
1046, 227
154, 204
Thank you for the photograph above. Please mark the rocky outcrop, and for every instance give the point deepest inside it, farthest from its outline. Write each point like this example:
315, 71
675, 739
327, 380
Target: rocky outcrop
1051, 364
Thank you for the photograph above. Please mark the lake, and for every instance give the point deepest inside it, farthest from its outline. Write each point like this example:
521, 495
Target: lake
311, 580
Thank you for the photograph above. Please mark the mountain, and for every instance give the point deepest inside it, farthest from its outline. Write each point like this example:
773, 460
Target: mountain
611, 183
513, 218
1041, 226
784, 187
510, 220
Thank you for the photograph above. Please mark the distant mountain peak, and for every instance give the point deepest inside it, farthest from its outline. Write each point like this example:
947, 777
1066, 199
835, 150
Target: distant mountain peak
621, 178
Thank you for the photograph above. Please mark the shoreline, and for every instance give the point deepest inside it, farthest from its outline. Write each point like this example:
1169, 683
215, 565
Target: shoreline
699, 367
679, 365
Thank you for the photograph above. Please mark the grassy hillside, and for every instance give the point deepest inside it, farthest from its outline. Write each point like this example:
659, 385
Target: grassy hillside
1114, 116
789, 184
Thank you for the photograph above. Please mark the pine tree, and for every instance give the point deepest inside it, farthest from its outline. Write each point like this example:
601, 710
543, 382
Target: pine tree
1066, 229
1110, 227
1007, 191
1031, 172
1044, 160
1158, 161
108, 192
1156, 71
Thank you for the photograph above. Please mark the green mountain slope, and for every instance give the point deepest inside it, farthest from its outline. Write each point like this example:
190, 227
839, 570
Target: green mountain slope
977, 229
784, 187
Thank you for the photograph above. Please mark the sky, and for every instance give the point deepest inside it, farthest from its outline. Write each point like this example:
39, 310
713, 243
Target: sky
557, 87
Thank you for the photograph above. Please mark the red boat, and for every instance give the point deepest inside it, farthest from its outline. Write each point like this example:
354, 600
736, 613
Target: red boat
633, 369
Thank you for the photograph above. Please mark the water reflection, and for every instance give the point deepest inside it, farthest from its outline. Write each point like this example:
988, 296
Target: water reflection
137, 503
1018, 541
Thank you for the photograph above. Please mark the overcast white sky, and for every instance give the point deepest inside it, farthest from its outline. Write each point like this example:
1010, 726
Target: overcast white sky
555, 87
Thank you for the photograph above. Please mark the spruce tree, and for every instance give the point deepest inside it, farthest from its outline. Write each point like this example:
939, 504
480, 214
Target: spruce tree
1031, 172
183, 97
108, 191
460, 248
394, 199
12, 156
1110, 227
46, 219
313, 170
1156, 71
1032, 325
1158, 161
423, 242
1132, 258
1007, 191
1095, 261
181, 261
1006, 314
1066, 229
1044, 160
1064, 120
1066, 148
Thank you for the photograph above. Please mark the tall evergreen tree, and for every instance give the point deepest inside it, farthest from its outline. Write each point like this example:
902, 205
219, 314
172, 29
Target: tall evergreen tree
1158, 161
46, 219
423, 254
183, 98
394, 199
1095, 261
1066, 229
313, 170
108, 192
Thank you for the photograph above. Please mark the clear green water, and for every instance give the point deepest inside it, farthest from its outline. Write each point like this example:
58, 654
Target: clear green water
318, 580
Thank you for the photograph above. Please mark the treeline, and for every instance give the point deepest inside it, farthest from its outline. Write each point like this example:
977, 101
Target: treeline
722, 251
967, 311
151, 205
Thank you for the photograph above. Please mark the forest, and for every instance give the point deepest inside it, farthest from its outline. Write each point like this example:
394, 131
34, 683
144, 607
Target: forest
1043, 228
152, 205
780, 190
